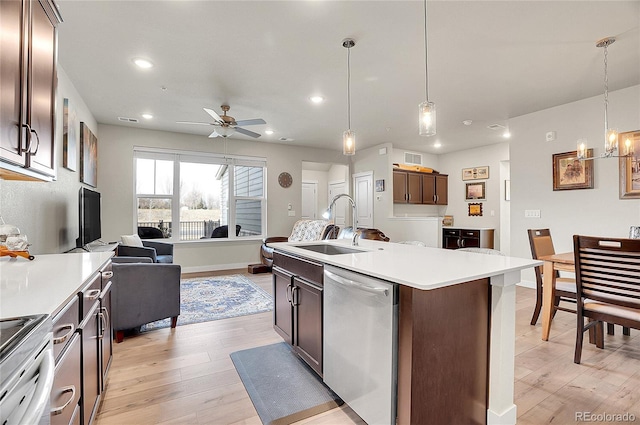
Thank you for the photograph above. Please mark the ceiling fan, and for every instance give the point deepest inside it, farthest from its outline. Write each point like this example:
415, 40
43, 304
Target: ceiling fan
226, 125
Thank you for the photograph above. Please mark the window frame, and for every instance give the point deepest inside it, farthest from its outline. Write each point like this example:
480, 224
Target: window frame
180, 156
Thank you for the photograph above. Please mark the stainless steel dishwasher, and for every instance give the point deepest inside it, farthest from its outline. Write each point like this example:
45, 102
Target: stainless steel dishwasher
361, 343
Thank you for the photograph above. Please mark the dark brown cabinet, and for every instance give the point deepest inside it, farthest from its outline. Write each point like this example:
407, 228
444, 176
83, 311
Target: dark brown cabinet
28, 43
90, 331
467, 238
297, 288
410, 187
65, 394
83, 349
435, 189
407, 187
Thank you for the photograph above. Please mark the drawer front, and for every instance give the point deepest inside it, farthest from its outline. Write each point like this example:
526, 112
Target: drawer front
309, 270
451, 232
65, 324
66, 390
470, 233
90, 294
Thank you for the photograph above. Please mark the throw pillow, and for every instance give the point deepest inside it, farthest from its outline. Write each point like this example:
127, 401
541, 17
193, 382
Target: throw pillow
131, 240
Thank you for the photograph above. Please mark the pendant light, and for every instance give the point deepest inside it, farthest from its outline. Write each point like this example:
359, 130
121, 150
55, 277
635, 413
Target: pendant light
610, 134
426, 110
349, 136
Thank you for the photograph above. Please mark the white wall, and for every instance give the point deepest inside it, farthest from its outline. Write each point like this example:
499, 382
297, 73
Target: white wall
453, 163
116, 167
48, 212
597, 211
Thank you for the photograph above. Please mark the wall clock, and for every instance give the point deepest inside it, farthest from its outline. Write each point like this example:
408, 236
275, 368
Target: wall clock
285, 179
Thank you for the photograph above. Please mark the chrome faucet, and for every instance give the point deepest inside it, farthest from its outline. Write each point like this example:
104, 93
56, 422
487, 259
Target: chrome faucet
328, 214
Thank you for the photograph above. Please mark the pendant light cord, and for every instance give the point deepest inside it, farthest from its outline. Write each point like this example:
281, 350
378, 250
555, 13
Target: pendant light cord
426, 53
606, 93
349, 85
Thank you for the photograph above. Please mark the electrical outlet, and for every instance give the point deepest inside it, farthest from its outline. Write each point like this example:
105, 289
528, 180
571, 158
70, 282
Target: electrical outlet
532, 213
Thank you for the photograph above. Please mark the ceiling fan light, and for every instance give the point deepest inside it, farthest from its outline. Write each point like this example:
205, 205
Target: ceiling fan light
349, 142
225, 131
427, 118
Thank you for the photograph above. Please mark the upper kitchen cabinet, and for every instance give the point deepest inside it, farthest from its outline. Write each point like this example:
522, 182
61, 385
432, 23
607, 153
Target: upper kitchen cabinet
28, 80
435, 189
407, 187
412, 187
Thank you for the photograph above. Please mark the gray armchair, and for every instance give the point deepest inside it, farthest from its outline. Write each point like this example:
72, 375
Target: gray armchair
143, 292
159, 252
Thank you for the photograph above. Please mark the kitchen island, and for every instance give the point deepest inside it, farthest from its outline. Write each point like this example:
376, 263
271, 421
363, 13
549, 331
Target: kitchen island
455, 330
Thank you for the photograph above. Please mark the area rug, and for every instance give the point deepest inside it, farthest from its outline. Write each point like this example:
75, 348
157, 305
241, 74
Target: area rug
219, 297
283, 389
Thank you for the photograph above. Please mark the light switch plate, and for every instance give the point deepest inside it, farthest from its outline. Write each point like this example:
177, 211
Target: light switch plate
532, 213
292, 213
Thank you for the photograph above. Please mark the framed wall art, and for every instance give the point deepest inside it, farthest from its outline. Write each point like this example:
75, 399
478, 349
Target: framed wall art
475, 209
379, 185
475, 173
88, 156
571, 173
629, 165
475, 191
69, 137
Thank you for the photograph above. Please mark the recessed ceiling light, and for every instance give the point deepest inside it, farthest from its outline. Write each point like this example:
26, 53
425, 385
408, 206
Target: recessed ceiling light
467, 122
268, 132
316, 99
147, 116
437, 144
506, 134
143, 63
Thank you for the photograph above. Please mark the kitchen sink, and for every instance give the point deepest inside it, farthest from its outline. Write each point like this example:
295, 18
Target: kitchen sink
330, 249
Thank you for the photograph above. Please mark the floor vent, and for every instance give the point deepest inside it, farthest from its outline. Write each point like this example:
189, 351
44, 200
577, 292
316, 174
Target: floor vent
412, 158
125, 119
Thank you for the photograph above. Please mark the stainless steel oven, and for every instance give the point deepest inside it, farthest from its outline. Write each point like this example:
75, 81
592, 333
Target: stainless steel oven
26, 370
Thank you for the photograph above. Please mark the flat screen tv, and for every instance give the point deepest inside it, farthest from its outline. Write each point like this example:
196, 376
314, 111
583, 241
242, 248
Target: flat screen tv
89, 217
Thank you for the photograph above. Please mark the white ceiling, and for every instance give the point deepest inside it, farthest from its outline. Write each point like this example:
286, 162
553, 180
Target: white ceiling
488, 62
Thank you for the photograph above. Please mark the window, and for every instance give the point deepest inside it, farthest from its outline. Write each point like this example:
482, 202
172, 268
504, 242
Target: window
193, 196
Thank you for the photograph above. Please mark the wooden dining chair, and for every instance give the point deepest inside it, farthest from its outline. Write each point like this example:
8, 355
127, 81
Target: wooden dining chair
607, 284
541, 244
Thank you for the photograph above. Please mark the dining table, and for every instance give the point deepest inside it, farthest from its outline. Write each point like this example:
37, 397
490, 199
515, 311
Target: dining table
552, 264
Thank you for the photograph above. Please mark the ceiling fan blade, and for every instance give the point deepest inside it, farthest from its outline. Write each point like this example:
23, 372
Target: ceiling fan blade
251, 122
214, 134
192, 122
247, 132
213, 114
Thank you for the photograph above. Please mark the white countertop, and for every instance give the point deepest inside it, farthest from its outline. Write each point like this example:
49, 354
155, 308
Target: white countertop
419, 267
45, 284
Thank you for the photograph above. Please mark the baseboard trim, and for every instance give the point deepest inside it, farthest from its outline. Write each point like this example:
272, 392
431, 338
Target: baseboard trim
214, 267
527, 284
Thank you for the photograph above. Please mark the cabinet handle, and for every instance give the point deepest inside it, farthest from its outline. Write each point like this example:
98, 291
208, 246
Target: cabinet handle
289, 287
462, 240
37, 140
28, 147
104, 320
63, 338
409, 196
93, 294
108, 274
72, 390
296, 300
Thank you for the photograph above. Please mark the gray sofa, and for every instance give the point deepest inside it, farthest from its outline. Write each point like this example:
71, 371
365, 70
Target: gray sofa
159, 252
143, 292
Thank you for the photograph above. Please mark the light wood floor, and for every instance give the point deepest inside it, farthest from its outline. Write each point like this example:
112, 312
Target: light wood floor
185, 375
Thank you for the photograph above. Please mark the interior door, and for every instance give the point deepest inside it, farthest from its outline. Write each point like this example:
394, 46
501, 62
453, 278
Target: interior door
309, 200
363, 190
340, 209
